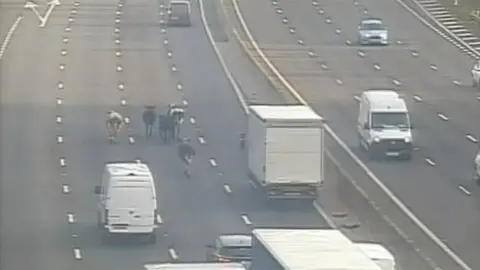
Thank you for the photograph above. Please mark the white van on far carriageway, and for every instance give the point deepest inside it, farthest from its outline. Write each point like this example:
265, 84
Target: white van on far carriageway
383, 125
127, 203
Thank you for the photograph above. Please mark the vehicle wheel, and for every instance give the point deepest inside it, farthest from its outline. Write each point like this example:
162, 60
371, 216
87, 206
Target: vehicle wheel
152, 238
407, 156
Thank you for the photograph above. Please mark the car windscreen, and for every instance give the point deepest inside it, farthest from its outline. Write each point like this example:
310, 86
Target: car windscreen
179, 8
239, 252
372, 26
390, 120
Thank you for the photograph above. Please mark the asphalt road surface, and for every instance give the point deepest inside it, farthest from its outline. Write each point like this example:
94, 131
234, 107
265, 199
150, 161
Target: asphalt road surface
432, 75
57, 85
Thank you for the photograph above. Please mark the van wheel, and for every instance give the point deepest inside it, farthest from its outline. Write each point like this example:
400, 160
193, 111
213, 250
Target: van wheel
152, 238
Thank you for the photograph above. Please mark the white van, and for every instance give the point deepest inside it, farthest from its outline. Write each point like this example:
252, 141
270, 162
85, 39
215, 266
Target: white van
383, 125
127, 203
179, 13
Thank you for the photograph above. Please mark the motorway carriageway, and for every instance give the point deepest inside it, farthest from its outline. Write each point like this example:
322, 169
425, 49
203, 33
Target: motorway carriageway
433, 76
57, 85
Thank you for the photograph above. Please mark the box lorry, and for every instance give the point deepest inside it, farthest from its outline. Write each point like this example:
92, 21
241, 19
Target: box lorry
195, 266
379, 254
285, 150
300, 249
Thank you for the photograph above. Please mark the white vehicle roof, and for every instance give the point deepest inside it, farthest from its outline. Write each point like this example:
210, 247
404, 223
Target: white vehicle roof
385, 100
375, 251
180, 2
372, 21
316, 249
195, 266
128, 169
285, 112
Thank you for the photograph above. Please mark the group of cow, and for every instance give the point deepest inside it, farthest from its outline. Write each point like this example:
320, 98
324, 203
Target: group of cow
168, 124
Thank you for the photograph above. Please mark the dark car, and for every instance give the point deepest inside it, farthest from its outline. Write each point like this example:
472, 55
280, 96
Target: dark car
231, 248
179, 12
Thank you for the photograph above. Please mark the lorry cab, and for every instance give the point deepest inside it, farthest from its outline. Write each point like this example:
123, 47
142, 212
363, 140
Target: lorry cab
127, 200
179, 13
383, 125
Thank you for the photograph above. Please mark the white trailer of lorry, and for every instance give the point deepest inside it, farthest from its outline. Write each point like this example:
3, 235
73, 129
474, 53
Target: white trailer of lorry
195, 266
306, 249
285, 150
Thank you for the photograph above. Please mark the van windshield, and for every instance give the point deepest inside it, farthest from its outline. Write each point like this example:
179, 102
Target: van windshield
132, 197
390, 120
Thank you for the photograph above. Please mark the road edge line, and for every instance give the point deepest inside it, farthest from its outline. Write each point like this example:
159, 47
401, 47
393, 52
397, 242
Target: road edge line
377, 181
9, 36
238, 92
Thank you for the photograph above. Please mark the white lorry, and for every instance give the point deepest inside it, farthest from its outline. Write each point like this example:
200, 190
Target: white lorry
285, 150
195, 266
300, 249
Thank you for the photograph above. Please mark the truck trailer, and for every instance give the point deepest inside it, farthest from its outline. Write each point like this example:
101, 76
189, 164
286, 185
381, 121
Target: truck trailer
285, 150
304, 249
195, 266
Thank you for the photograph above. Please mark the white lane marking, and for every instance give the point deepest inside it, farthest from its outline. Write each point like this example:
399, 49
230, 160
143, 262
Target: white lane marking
227, 189
70, 19
300, 42
396, 82
201, 140
328, 21
464, 190
174, 68
68, 29
414, 54
456, 82
165, 41
471, 138
338, 31
356, 98
123, 102
127, 120
291, 30
361, 54
65, 189
442, 116
60, 85
117, 30
76, 4
321, 11
311, 54
117, 41
430, 162
163, 31
71, 218
9, 35
169, 54
117, 20
62, 66
159, 219
131, 140
348, 42
73, 12
329, 131
59, 139
376, 66
417, 98
77, 254
339, 82
121, 86
59, 101
173, 254
185, 102
118, 53
279, 10
179, 86
324, 66
65, 40
118, 13
119, 68
120, 5
59, 119
433, 67
213, 162
285, 20
245, 219
192, 120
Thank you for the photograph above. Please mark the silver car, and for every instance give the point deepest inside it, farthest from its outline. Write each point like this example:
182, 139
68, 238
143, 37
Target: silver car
372, 31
